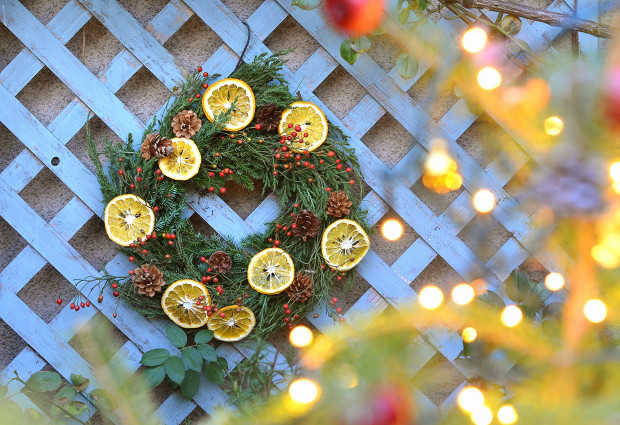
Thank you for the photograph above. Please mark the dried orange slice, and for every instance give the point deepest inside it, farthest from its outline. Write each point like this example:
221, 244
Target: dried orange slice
184, 162
306, 124
184, 302
344, 244
227, 93
127, 218
232, 323
271, 271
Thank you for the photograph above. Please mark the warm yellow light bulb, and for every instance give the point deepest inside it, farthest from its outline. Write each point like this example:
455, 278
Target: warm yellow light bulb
474, 40
430, 297
507, 414
470, 398
469, 334
481, 416
489, 78
511, 316
392, 229
438, 162
303, 390
463, 293
595, 310
553, 125
554, 281
301, 336
484, 201
614, 171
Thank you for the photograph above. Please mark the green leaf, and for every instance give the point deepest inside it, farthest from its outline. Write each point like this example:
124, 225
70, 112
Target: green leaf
553, 311
3, 390
207, 352
422, 4
492, 299
176, 336
192, 359
306, 4
189, 386
361, 44
154, 375
175, 369
403, 16
11, 412
34, 417
104, 399
43, 382
203, 336
223, 362
214, 373
406, 66
347, 52
76, 408
79, 382
521, 289
65, 395
155, 357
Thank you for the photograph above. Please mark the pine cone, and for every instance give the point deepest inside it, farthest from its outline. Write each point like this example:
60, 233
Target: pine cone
338, 204
306, 225
148, 280
268, 116
301, 289
186, 124
220, 261
156, 146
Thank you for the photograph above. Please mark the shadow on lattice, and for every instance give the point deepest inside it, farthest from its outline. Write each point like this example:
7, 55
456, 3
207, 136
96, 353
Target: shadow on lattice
340, 92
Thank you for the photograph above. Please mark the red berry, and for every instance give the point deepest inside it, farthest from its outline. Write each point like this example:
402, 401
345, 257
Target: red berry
114, 285
341, 319
321, 161
200, 69
82, 304
285, 306
139, 179
294, 134
77, 308
334, 300
223, 190
59, 301
100, 298
205, 74
310, 180
158, 171
202, 297
328, 189
276, 242
197, 95
204, 279
190, 100
203, 259
339, 167
296, 205
338, 278
284, 149
288, 233
337, 161
257, 126
132, 186
215, 280
287, 320
339, 310
139, 169
278, 156
120, 172
290, 125
222, 315
331, 153
131, 272
87, 303
275, 173
209, 269
114, 315
72, 306
355, 17
145, 252
132, 259
305, 134
170, 243
287, 312
297, 128
348, 169
211, 174
351, 182
116, 293
120, 160
211, 189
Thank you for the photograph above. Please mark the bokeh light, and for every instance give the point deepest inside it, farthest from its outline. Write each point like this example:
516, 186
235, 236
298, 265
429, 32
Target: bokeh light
474, 40
481, 416
303, 390
463, 293
470, 398
507, 414
392, 229
469, 334
554, 281
301, 336
614, 171
438, 162
430, 297
484, 201
489, 78
595, 310
511, 316
554, 125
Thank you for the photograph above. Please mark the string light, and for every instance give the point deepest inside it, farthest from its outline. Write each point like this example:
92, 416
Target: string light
507, 414
474, 40
484, 201
511, 316
430, 297
440, 170
470, 398
463, 293
595, 310
614, 171
489, 78
392, 229
482, 416
301, 336
303, 391
553, 125
554, 281
469, 334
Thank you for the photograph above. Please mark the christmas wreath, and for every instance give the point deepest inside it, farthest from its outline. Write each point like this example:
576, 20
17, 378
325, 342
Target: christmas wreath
244, 129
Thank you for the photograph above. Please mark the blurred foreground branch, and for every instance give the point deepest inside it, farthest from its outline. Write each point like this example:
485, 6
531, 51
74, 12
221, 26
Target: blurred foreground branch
552, 18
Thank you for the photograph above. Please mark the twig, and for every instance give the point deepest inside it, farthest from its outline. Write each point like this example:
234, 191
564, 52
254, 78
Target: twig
552, 18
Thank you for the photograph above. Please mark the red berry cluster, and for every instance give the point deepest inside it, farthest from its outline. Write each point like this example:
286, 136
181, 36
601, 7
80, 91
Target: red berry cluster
287, 319
132, 178
205, 85
338, 310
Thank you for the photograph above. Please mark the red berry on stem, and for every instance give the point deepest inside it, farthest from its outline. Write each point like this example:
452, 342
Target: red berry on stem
114, 285
77, 308
339, 310
334, 300
287, 312
139, 179
132, 259
331, 153
290, 125
114, 315
120, 172
132, 186
215, 280
223, 190
59, 301
158, 171
222, 315
257, 126
139, 169
82, 304
100, 298
200, 69
116, 293
170, 243
204, 279
203, 259
355, 17
87, 303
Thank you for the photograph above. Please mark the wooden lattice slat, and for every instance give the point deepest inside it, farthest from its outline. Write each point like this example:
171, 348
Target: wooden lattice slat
143, 47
